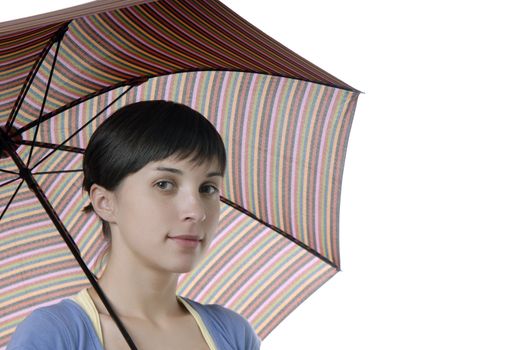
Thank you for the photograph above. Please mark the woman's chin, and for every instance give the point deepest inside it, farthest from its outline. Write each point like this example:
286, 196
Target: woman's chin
183, 266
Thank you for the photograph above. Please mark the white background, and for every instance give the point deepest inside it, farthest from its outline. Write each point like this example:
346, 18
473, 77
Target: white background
431, 231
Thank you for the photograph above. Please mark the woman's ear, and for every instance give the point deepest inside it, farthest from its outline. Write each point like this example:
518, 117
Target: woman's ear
102, 201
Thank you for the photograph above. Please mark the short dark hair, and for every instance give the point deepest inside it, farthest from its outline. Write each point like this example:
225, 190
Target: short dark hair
144, 132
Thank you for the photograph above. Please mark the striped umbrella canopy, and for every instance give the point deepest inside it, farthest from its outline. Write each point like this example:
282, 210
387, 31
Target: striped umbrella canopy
284, 121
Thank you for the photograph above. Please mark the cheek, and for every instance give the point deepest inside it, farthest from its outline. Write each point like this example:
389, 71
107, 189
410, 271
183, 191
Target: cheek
140, 217
213, 217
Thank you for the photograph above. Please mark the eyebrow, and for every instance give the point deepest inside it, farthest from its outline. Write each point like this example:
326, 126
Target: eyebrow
179, 172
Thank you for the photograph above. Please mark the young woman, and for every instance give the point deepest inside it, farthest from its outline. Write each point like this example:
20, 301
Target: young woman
153, 171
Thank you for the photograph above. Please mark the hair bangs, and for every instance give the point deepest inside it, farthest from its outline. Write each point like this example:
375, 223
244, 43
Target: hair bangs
189, 138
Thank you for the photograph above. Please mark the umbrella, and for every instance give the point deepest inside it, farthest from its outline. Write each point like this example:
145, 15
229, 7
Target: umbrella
285, 124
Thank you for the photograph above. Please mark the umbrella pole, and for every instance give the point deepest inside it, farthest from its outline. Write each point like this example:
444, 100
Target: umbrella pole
25, 174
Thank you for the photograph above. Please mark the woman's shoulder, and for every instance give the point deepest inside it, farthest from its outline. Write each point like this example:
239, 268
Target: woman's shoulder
227, 324
58, 326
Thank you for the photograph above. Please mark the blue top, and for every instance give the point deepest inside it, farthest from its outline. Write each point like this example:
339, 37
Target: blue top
66, 326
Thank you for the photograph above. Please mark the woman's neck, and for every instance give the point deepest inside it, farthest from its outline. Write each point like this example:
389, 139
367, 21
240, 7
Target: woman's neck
136, 291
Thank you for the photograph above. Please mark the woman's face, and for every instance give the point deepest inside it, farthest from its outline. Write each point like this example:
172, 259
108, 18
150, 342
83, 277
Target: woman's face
167, 213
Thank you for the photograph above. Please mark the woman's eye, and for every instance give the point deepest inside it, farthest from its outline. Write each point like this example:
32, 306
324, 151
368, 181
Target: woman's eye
164, 185
209, 189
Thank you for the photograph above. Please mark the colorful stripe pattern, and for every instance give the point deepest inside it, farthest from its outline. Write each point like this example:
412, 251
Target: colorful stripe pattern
277, 132
18, 54
285, 124
103, 50
255, 271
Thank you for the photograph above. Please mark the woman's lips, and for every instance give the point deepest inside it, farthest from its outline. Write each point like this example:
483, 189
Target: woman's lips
186, 241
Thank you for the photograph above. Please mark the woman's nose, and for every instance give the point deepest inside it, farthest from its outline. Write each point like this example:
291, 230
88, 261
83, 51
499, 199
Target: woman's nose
192, 208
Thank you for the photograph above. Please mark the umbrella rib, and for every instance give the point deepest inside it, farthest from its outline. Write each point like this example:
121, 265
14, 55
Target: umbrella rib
139, 80
280, 231
53, 146
48, 85
32, 74
132, 82
12, 197
82, 127
8, 171
8, 182
58, 172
